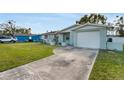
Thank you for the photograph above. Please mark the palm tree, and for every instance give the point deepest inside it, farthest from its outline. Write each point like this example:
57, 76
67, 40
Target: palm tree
84, 19
93, 18
103, 19
120, 24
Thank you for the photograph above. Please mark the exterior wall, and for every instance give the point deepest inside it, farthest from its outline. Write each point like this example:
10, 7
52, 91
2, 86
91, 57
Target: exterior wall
60, 39
50, 38
71, 38
117, 39
115, 46
74, 38
67, 42
103, 38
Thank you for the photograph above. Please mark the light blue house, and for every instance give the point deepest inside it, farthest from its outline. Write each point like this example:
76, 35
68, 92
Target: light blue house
87, 36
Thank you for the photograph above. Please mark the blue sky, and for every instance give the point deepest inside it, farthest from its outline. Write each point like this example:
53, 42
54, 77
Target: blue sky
41, 22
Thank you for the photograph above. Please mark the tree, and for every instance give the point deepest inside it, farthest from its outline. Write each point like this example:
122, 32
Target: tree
23, 31
9, 28
84, 19
119, 25
93, 18
102, 18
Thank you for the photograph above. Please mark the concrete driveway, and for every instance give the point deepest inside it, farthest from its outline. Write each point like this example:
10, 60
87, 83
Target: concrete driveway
68, 63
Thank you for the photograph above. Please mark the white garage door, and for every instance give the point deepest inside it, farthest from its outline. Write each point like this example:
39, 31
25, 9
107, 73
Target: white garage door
88, 39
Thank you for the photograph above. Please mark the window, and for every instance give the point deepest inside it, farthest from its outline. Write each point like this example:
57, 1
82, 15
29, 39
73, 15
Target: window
109, 40
66, 36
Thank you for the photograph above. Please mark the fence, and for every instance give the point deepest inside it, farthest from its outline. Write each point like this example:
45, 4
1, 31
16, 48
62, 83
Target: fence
115, 46
117, 43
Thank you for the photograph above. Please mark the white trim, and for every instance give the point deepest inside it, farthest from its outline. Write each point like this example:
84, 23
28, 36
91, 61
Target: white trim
88, 30
89, 24
70, 27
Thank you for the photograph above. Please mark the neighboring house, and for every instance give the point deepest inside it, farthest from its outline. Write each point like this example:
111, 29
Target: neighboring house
87, 36
26, 38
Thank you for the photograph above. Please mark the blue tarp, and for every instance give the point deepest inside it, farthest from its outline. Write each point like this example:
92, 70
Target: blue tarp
35, 38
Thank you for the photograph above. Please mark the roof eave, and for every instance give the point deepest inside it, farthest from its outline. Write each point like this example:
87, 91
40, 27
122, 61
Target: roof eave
69, 27
89, 24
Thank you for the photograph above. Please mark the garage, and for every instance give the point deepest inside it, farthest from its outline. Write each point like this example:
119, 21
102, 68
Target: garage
88, 39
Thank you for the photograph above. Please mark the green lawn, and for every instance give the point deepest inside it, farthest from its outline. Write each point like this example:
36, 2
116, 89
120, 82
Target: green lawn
109, 66
13, 55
